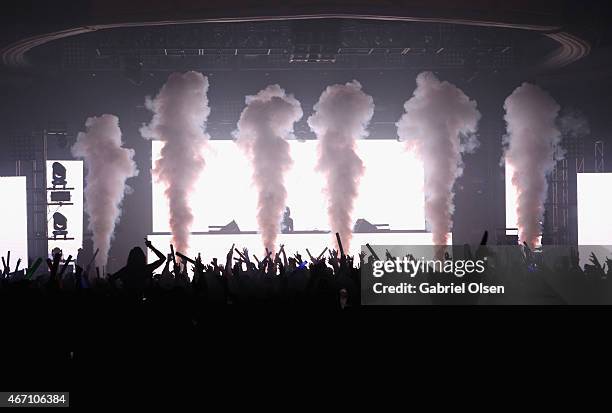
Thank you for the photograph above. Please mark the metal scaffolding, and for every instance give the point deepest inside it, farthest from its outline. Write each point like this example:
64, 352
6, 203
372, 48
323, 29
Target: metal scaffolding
599, 157
32, 163
557, 228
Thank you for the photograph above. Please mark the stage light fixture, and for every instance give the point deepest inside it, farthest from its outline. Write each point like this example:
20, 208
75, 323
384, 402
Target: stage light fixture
60, 225
59, 175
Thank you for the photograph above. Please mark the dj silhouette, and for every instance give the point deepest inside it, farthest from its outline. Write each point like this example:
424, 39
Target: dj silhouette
287, 222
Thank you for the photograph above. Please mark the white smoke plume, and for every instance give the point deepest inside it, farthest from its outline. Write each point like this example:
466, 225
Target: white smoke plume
180, 112
341, 116
108, 165
439, 124
265, 124
573, 124
532, 144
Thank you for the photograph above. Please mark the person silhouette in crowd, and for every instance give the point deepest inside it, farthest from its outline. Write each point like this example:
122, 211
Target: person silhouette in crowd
137, 274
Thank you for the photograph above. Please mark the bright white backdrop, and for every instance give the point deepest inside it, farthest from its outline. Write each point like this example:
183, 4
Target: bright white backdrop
391, 190
14, 220
594, 208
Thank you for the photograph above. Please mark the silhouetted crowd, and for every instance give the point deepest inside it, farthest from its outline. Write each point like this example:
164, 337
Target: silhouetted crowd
147, 312
331, 281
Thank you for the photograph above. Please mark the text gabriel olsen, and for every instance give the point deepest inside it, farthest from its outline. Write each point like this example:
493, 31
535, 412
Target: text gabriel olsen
427, 288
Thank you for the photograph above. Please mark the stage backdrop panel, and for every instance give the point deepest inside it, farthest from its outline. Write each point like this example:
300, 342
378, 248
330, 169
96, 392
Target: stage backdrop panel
593, 198
391, 190
66, 200
594, 212
217, 245
14, 220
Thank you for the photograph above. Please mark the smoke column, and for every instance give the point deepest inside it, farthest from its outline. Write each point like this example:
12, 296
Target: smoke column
265, 124
180, 112
532, 142
439, 123
108, 167
340, 117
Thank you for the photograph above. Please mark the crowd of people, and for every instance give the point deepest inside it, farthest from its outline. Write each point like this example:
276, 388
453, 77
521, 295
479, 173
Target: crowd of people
138, 313
332, 280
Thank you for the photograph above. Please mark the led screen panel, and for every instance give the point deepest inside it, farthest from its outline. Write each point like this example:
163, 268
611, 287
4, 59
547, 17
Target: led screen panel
391, 190
14, 220
594, 219
594, 200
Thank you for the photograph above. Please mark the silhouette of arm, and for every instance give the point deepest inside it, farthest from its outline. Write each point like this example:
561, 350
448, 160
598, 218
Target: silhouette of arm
166, 271
340, 245
312, 259
160, 257
7, 265
53, 267
228, 261
257, 260
244, 255
372, 252
362, 255
282, 251
333, 260
597, 265
5, 270
65, 265
33, 268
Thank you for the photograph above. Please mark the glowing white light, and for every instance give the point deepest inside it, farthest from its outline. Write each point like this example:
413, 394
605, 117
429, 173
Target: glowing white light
391, 190
14, 220
593, 204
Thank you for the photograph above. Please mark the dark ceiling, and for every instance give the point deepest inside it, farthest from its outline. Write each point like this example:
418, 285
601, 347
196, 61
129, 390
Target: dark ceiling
167, 35
329, 44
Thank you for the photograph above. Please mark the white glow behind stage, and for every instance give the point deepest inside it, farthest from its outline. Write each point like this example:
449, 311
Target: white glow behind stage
14, 220
594, 197
391, 190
